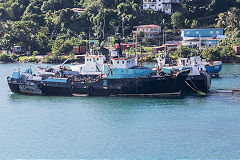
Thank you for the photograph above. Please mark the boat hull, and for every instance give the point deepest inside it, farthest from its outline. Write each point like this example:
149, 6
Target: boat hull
213, 69
101, 87
154, 85
197, 83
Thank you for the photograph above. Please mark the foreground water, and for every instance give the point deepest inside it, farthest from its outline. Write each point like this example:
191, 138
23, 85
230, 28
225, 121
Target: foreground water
113, 127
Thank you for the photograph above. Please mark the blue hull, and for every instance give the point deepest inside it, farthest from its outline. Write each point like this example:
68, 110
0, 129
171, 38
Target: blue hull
214, 69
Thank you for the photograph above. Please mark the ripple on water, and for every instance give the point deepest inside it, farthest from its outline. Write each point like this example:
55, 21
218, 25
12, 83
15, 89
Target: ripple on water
120, 127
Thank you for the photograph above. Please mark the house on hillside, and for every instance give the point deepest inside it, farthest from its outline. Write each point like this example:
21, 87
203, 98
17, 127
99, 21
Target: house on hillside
166, 47
125, 46
78, 11
202, 38
159, 5
149, 31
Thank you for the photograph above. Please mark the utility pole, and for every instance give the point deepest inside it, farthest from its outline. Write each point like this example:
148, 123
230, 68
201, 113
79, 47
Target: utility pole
123, 27
163, 24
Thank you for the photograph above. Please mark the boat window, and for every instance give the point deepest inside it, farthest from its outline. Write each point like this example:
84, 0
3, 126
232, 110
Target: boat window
97, 59
117, 62
87, 59
122, 62
90, 59
111, 62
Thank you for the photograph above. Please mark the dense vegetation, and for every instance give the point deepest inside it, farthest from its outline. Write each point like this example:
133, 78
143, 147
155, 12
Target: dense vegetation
51, 26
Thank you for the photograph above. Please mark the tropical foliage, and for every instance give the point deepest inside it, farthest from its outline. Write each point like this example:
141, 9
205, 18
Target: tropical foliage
52, 26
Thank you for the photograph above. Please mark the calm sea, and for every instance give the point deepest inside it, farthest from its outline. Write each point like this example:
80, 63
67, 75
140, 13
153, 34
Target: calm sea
120, 128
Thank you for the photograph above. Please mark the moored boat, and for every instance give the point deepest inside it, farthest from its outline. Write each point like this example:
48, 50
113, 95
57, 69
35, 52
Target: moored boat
198, 79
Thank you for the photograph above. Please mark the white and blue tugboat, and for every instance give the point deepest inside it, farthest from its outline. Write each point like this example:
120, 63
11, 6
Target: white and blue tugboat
198, 80
212, 68
121, 76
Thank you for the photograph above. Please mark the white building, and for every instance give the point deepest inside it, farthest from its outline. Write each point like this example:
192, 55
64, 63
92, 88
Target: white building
150, 31
156, 5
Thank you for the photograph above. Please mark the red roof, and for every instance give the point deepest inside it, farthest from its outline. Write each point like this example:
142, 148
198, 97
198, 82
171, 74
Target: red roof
148, 26
115, 59
94, 56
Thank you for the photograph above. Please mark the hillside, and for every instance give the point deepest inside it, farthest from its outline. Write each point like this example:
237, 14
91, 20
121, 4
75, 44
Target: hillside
52, 26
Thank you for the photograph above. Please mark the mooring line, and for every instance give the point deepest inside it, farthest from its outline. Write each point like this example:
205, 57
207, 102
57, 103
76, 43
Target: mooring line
231, 72
196, 90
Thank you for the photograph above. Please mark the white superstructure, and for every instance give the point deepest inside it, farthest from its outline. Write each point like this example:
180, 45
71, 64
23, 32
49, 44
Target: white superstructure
94, 65
156, 5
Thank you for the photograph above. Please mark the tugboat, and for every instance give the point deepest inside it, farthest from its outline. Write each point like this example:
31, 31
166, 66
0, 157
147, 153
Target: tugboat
198, 79
121, 76
212, 68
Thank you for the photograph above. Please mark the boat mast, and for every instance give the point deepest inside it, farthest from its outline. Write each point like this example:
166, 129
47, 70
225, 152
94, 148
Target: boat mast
136, 49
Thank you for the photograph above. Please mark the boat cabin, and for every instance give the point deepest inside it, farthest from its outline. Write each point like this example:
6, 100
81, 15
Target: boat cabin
183, 62
94, 65
123, 62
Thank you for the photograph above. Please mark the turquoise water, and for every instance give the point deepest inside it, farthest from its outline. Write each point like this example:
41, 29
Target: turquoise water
126, 128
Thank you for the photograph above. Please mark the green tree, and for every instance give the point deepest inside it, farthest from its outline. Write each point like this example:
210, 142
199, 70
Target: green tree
229, 20
182, 51
177, 20
194, 24
212, 53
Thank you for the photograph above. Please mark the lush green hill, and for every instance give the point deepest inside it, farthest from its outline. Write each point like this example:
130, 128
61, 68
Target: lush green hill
51, 25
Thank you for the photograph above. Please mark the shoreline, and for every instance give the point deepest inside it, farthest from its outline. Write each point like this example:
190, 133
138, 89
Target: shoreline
44, 59
17, 62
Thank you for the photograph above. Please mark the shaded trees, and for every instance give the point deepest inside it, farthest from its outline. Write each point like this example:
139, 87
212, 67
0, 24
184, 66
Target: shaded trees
177, 20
